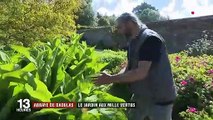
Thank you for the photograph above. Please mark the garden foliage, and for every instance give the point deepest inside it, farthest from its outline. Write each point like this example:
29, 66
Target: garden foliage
56, 71
194, 80
201, 46
53, 72
114, 59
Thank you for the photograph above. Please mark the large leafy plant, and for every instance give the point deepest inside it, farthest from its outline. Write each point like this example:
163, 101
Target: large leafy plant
54, 72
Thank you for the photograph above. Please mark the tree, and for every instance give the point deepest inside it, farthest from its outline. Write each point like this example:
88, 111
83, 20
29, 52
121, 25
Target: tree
26, 21
147, 13
86, 15
138, 9
102, 20
105, 20
112, 20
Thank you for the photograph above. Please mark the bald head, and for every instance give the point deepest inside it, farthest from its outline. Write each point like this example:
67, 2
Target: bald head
127, 22
127, 17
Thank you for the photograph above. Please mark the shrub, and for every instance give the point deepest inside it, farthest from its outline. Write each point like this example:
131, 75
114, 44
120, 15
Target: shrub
193, 78
201, 115
201, 46
26, 21
114, 59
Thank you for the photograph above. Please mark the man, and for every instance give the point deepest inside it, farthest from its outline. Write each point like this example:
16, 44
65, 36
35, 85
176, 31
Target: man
148, 73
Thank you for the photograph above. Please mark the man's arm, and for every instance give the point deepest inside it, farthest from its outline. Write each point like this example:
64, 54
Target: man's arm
134, 75
130, 76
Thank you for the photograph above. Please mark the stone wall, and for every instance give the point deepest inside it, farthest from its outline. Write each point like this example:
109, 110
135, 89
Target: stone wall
177, 33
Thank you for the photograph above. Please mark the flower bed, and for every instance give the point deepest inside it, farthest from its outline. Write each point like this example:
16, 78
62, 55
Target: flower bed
193, 77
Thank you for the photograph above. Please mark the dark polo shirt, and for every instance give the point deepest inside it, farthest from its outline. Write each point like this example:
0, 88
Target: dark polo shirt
150, 50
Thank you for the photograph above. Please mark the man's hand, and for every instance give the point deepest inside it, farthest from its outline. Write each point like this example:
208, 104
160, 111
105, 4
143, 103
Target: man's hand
130, 76
103, 79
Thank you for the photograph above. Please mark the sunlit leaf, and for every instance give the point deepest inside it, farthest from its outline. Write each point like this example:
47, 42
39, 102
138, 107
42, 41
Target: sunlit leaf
70, 117
106, 97
24, 51
4, 57
45, 112
41, 92
85, 87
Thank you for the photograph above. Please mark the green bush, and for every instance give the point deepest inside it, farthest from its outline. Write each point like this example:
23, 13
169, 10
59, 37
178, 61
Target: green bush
26, 21
201, 46
114, 59
201, 115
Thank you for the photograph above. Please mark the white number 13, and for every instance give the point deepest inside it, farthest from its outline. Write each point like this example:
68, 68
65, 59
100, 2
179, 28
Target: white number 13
25, 103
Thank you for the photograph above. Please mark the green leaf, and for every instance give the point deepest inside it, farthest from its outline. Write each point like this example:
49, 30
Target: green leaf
79, 67
106, 97
85, 87
56, 42
70, 117
112, 114
60, 98
24, 51
8, 67
88, 116
95, 112
45, 112
76, 38
19, 88
52, 83
29, 68
15, 58
107, 111
120, 115
19, 74
61, 74
92, 98
41, 92
4, 57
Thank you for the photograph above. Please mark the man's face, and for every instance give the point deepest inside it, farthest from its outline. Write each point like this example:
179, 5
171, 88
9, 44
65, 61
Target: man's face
124, 28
